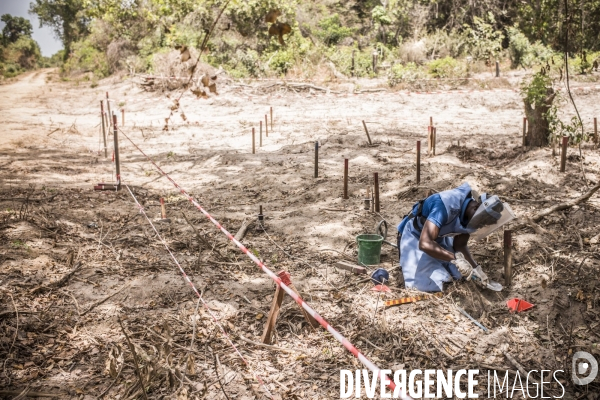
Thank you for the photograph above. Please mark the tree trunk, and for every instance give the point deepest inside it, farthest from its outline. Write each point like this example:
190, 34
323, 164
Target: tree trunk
538, 131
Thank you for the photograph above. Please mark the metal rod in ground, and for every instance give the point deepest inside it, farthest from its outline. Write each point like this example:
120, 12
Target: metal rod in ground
524, 131
108, 109
122, 117
434, 137
376, 190
103, 128
117, 162
266, 126
563, 154
596, 130
367, 132
316, 159
163, 210
507, 257
345, 178
418, 162
497, 69
253, 140
271, 119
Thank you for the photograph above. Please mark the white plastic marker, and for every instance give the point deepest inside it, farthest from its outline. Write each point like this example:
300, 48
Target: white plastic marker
185, 276
340, 338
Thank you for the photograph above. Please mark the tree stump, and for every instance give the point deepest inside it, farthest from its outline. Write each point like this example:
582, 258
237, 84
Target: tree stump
538, 132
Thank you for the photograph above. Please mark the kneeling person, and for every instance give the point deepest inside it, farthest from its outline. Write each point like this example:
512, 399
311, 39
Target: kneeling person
432, 239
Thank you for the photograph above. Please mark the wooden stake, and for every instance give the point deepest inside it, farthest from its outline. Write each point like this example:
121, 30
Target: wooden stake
103, 128
507, 257
418, 162
429, 140
117, 162
316, 159
434, 137
163, 210
276, 306
563, 154
376, 191
374, 62
271, 119
108, 109
266, 127
595, 130
345, 178
253, 142
272, 318
367, 132
497, 69
122, 117
309, 318
524, 131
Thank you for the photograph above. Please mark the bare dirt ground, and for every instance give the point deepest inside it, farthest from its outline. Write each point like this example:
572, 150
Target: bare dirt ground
60, 334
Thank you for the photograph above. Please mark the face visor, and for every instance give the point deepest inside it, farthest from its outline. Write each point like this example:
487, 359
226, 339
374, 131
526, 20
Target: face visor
490, 216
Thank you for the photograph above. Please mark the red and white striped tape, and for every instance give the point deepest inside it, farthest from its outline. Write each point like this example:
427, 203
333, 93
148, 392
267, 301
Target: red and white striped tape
188, 280
349, 346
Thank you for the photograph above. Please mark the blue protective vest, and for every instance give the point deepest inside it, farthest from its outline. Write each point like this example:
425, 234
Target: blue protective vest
420, 270
455, 203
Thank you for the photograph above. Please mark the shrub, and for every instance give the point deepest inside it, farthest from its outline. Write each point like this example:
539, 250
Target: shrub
24, 52
484, 43
342, 59
281, 61
86, 58
413, 51
332, 31
447, 67
407, 73
519, 48
524, 54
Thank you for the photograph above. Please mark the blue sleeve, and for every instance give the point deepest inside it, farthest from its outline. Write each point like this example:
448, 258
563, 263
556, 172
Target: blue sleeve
435, 211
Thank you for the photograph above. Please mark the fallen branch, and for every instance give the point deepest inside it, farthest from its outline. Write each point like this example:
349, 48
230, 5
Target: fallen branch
558, 207
243, 229
135, 361
59, 283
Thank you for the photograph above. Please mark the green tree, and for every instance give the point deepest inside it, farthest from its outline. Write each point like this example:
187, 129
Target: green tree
15, 28
66, 17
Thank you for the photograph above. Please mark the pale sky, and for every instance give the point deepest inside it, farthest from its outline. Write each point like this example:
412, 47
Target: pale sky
45, 37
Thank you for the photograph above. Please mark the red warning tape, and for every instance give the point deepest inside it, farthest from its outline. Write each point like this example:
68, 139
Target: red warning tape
188, 280
349, 346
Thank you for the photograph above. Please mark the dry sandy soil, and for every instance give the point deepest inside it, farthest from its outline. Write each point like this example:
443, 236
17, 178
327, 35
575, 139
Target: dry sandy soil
60, 333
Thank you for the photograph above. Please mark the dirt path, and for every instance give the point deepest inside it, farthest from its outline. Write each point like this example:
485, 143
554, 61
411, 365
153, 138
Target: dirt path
51, 219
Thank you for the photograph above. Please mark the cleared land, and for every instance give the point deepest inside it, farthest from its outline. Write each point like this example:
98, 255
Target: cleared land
52, 222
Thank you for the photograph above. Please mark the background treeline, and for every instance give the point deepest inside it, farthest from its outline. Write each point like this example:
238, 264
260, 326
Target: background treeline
413, 38
18, 51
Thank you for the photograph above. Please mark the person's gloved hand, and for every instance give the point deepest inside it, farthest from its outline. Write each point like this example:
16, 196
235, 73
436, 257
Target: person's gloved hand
478, 276
462, 265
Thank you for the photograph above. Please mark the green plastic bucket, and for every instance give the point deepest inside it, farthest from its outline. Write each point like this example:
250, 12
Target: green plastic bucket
369, 248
